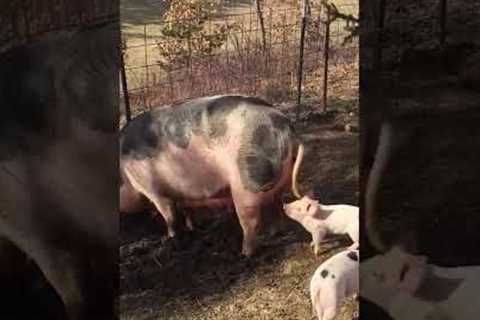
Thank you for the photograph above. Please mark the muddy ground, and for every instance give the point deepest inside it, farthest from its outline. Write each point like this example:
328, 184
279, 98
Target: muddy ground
202, 276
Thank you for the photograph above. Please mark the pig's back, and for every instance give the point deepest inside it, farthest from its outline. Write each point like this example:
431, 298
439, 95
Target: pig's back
342, 217
217, 120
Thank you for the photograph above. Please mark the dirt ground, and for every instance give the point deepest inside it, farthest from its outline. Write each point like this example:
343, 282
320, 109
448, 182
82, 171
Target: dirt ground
202, 276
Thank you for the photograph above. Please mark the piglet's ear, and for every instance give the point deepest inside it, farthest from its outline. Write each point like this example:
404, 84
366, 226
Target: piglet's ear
310, 194
420, 259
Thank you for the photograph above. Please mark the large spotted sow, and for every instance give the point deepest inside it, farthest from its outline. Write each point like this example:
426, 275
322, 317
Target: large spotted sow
58, 163
210, 151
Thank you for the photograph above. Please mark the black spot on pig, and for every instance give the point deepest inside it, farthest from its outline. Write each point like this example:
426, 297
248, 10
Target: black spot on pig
353, 255
258, 159
264, 147
283, 128
196, 118
280, 121
264, 141
324, 273
138, 137
333, 276
257, 173
178, 127
217, 112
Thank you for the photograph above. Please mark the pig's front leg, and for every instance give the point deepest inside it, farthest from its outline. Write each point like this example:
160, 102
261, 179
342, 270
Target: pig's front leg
353, 232
317, 236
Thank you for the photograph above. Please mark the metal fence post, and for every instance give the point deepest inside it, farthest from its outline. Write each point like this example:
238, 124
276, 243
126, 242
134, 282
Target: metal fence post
26, 20
262, 24
381, 21
300, 63
146, 64
443, 21
123, 77
326, 58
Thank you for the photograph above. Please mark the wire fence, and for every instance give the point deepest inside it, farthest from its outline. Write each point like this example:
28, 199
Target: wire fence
260, 52
393, 39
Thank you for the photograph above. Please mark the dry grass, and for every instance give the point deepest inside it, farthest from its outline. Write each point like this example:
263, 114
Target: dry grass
277, 291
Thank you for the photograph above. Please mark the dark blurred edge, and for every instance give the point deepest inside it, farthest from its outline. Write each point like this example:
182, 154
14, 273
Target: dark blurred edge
421, 60
24, 292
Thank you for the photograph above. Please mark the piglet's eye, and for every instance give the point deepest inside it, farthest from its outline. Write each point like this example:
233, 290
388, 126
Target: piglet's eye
308, 206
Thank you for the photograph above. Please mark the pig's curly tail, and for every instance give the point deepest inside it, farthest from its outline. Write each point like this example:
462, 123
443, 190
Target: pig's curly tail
383, 153
296, 167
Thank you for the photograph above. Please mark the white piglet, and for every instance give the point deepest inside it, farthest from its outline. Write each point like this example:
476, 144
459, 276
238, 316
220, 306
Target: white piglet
408, 288
335, 280
320, 219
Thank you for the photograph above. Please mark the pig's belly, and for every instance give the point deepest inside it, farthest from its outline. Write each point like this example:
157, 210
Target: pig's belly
193, 173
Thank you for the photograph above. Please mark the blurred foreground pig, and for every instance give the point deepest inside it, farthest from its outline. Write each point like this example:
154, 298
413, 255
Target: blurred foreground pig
320, 219
219, 150
58, 167
335, 280
407, 287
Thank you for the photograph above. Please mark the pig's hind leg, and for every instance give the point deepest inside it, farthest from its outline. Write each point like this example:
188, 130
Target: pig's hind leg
249, 210
250, 220
330, 301
166, 208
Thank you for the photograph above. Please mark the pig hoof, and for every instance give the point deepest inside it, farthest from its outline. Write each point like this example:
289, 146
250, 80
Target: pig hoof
189, 225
